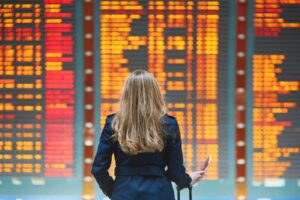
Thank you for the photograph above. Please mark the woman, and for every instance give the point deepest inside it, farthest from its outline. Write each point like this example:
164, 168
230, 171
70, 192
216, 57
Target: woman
146, 144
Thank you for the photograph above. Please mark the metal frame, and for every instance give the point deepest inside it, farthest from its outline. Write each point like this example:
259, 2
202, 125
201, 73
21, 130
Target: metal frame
240, 100
88, 129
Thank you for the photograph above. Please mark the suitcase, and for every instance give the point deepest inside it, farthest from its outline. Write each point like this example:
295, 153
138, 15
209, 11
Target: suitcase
190, 192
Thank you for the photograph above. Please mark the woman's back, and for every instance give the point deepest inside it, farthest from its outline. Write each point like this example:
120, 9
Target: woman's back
143, 175
146, 144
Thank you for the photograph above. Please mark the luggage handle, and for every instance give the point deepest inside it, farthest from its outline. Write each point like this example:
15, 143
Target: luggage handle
190, 192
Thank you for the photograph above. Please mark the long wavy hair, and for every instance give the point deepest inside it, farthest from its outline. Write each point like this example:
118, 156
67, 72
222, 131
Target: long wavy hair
137, 123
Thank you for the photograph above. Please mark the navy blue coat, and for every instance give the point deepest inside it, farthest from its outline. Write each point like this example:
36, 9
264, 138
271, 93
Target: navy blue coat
144, 176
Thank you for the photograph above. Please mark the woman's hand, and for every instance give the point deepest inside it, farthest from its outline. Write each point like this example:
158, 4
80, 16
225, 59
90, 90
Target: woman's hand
196, 176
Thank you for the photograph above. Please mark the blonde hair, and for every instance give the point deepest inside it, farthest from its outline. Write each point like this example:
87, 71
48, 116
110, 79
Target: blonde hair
137, 124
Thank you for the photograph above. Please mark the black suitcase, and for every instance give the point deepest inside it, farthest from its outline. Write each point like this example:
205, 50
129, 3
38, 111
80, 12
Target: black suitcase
190, 192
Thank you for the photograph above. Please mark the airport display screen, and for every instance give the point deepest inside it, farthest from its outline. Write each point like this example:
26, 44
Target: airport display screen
185, 44
273, 100
40, 143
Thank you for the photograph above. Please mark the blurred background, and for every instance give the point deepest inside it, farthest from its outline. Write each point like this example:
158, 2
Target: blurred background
229, 71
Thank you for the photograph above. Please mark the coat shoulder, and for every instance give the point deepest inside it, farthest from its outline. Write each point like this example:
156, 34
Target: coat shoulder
169, 119
170, 128
110, 117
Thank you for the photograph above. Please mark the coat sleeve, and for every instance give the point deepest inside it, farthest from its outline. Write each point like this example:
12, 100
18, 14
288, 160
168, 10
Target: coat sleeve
102, 161
176, 172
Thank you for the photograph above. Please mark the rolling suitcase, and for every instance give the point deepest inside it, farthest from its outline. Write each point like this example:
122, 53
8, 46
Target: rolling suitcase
190, 193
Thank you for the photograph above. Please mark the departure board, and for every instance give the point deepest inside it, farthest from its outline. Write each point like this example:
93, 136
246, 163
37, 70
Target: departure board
185, 45
189, 46
275, 96
38, 104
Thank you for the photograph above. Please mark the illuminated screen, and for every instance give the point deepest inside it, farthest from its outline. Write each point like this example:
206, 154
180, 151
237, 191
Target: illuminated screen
185, 45
39, 100
189, 45
274, 119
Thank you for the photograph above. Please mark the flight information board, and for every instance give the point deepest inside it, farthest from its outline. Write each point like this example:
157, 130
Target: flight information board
184, 43
38, 99
274, 166
189, 45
